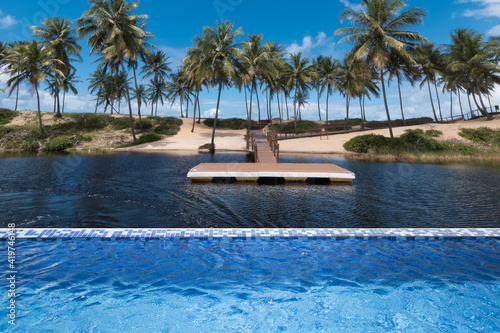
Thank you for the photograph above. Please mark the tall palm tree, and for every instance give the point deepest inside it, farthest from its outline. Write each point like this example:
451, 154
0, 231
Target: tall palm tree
317, 80
68, 84
13, 60
156, 64
427, 58
327, 70
221, 52
176, 89
63, 40
381, 28
156, 92
36, 65
117, 34
4, 50
475, 64
300, 75
400, 68
257, 59
140, 94
349, 80
97, 80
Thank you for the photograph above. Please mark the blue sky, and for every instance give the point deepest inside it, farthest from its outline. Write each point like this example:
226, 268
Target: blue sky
299, 26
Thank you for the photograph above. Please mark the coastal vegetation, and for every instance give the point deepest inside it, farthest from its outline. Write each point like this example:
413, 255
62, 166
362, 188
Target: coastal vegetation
83, 130
415, 142
385, 49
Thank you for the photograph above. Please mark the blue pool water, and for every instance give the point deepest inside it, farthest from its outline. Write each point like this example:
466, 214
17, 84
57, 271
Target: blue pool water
295, 285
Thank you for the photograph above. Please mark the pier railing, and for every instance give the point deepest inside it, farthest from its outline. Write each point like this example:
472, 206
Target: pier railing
252, 145
272, 138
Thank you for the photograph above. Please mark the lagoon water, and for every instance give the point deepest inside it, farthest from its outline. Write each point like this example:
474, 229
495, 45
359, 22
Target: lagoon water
152, 191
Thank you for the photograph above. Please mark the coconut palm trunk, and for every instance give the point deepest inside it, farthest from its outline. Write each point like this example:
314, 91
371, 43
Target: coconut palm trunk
327, 96
96, 104
138, 98
39, 112
64, 100
249, 120
58, 113
199, 113
128, 101
258, 102
17, 97
212, 145
439, 102
361, 111
194, 108
451, 104
319, 108
432, 102
400, 102
286, 104
347, 112
460, 103
385, 101
484, 111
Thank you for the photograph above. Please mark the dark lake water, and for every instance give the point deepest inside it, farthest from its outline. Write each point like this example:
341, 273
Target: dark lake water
152, 191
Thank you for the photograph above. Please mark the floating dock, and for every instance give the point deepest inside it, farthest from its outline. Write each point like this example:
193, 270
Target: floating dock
290, 172
266, 166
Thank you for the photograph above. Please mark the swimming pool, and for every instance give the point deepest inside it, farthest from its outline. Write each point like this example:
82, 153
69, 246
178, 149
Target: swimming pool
277, 285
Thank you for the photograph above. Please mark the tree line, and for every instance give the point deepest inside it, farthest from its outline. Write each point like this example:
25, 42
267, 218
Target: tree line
385, 49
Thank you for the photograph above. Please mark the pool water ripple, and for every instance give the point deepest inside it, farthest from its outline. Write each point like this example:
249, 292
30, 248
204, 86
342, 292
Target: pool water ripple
258, 285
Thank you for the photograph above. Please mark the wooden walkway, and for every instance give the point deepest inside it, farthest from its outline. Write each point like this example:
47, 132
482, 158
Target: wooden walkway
266, 166
264, 152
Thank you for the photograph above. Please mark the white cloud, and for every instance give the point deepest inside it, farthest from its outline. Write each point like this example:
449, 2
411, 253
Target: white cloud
176, 54
495, 31
7, 21
488, 8
347, 3
309, 43
210, 113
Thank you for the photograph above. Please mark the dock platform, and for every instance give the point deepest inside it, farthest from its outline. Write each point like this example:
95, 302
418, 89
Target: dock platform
290, 172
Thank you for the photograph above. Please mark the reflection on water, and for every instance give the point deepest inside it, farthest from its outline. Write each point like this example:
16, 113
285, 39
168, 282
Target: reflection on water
152, 190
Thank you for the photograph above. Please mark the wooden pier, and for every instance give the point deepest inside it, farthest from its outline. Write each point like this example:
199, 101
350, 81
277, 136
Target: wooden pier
266, 166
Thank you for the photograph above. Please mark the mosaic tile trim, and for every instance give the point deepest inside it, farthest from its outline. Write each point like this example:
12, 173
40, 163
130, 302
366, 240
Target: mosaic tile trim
269, 233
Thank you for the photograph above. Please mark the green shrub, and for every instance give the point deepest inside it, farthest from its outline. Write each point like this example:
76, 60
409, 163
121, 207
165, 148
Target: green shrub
145, 138
364, 143
206, 146
146, 124
58, 143
482, 135
165, 121
433, 133
167, 129
231, 123
90, 121
302, 126
6, 116
120, 123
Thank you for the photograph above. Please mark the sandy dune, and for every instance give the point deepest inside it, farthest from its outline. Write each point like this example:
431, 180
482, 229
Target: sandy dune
231, 140
225, 140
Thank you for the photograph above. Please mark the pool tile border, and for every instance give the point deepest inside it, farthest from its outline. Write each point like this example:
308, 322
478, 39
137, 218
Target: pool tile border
261, 233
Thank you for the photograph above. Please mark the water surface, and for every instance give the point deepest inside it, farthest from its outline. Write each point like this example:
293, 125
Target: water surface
152, 191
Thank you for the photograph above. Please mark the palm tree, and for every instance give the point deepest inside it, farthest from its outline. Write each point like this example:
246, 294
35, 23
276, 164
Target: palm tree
176, 89
97, 80
67, 84
4, 50
36, 65
115, 33
327, 70
221, 53
62, 39
317, 80
300, 75
380, 28
348, 80
140, 94
156, 64
13, 60
257, 59
156, 92
475, 65
427, 58
400, 68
